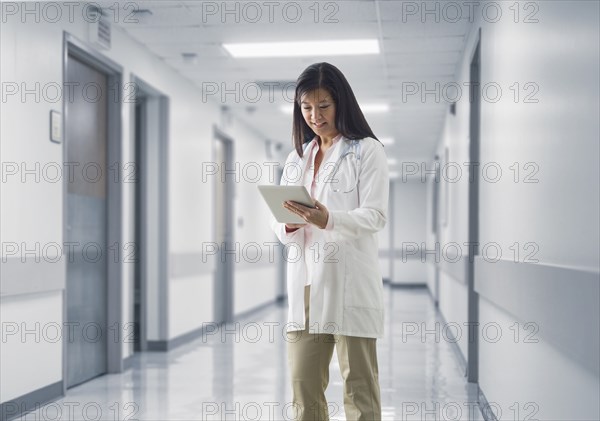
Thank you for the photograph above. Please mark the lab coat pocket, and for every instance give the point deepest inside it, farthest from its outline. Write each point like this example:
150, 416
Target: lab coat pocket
330, 256
360, 291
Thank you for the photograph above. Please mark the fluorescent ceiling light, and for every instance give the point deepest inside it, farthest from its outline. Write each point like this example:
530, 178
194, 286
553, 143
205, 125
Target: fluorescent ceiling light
394, 174
303, 48
392, 161
375, 108
366, 108
387, 140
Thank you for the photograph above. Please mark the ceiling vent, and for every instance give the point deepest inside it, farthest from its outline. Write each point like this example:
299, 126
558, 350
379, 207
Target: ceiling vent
189, 58
99, 29
142, 16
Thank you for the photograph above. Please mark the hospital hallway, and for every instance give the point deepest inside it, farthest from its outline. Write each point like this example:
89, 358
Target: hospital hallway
240, 372
175, 173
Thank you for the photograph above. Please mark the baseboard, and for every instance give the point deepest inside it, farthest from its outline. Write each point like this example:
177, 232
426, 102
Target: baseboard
408, 285
31, 401
167, 345
454, 345
436, 303
157, 346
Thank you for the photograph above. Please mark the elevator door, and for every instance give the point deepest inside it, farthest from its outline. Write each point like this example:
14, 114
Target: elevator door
86, 128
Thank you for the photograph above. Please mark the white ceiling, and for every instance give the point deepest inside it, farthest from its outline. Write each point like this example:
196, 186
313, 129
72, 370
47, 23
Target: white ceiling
412, 51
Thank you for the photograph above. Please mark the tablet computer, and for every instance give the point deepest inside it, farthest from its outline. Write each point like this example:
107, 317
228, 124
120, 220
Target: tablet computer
276, 195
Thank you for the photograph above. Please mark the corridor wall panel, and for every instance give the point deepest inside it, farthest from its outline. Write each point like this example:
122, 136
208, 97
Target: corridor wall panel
32, 52
539, 209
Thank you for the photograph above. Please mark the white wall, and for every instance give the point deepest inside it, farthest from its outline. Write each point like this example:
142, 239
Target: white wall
453, 218
32, 52
430, 236
256, 273
254, 282
535, 377
453, 306
384, 237
559, 134
37, 217
31, 346
560, 213
410, 229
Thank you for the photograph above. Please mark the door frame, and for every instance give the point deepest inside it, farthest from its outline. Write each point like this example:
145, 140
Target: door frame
140, 86
391, 230
435, 227
223, 297
72, 46
473, 210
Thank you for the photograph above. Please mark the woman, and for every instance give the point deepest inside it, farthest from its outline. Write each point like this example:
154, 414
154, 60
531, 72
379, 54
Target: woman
335, 290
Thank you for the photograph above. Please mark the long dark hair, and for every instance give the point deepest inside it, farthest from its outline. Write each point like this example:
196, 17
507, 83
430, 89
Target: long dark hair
349, 119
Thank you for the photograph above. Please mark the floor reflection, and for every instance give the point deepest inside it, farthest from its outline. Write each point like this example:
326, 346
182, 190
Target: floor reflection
239, 372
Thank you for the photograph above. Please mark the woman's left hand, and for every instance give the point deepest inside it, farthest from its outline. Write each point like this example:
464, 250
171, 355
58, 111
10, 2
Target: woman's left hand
317, 216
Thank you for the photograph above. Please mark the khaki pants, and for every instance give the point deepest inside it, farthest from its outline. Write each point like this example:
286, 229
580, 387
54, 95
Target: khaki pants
309, 356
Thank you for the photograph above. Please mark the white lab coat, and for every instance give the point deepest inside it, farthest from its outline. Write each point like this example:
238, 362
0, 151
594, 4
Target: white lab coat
346, 293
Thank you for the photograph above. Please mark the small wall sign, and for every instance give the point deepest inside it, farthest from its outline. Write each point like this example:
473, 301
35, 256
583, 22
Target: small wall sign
55, 126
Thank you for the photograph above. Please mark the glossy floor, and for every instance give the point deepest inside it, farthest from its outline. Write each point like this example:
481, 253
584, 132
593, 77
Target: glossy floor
240, 373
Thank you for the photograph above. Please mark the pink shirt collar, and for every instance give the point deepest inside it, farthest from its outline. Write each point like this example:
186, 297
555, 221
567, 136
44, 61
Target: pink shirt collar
314, 141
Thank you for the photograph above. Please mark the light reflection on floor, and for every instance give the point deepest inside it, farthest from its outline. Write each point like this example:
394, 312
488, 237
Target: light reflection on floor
240, 373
